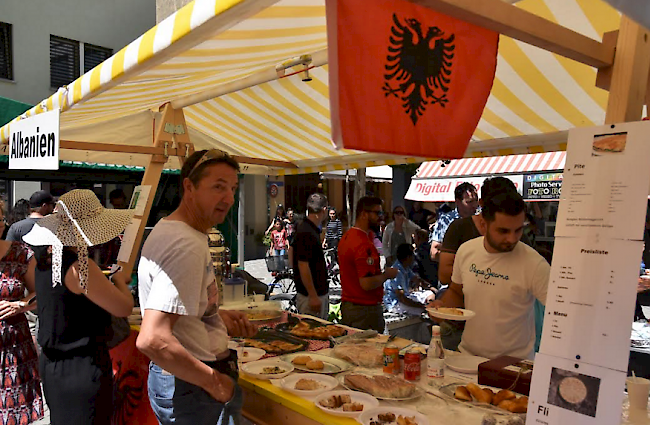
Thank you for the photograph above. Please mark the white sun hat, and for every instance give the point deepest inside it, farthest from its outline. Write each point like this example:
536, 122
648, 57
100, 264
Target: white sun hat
80, 221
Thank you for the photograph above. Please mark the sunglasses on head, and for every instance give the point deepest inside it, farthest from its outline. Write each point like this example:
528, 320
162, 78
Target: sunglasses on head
209, 155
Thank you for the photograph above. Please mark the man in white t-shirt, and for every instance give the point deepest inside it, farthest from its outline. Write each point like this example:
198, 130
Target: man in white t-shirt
192, 375
499, 278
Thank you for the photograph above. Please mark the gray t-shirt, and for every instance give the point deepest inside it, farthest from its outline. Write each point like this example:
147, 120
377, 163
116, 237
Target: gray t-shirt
21, 228
175, 275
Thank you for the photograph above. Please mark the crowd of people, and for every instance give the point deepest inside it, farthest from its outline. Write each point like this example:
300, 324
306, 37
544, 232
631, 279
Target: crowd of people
474, 255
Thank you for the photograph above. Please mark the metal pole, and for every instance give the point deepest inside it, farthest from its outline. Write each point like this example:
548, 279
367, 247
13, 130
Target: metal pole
240, 224
347, 198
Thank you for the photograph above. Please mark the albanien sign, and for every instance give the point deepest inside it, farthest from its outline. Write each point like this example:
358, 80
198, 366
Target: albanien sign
34, 142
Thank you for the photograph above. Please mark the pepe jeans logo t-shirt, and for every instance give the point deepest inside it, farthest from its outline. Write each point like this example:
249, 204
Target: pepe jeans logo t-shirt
501, 289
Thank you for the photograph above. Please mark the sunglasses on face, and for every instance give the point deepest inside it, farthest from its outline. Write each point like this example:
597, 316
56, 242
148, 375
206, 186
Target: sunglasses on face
398, 213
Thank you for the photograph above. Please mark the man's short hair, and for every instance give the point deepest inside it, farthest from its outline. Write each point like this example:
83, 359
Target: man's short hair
509, 203
316, 203
404, 251
116, 194
197, 175
365, 203
495, 185
462, 188
39, 198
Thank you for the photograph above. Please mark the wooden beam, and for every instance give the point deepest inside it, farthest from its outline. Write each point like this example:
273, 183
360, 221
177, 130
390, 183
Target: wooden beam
151, 178
108, 147
604, 75
511, 21
266, 162
630, 72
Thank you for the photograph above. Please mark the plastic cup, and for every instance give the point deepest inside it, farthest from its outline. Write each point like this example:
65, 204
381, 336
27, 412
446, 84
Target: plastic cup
638, 390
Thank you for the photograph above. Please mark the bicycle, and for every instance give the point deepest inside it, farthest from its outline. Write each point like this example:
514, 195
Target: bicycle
283, 287
333, 272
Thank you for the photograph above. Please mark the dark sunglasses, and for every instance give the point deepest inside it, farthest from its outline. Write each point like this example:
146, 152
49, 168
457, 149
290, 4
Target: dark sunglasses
398, 213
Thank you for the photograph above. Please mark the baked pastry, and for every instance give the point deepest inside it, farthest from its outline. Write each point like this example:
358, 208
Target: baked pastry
450, 310
386, 417
489, 394
461, 393
307, 385
573, 390
503, 395
508, 405
315, 365
301, 360
381, 386
352, 407
478, 393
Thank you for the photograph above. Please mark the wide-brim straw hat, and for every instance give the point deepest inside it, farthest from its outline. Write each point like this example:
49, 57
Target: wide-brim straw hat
81, 221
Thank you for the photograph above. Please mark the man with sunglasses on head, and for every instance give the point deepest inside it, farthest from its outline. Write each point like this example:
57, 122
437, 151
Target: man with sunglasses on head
362, 281
192, 375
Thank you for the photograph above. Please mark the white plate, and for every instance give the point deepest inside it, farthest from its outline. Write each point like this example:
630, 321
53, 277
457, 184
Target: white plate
418, 391
367, 400
332, 365
253, 354
327, 384
467, 314
464, 363
367, 416
256, 369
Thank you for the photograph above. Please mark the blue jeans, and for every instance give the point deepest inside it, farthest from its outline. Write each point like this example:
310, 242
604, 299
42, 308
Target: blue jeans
175, 401
278, 252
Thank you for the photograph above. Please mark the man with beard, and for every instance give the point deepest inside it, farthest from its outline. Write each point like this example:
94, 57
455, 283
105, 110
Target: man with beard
499, 279
362, 281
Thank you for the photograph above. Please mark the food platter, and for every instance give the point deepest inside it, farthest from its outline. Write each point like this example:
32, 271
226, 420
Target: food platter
372, 416
449, 392
262, 315
311, 329
445, 314
274, 342
323, 382
417, 392
331, 365
267, 369
366, 400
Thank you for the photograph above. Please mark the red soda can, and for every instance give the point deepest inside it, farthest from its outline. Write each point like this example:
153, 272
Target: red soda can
412, 364
391, 359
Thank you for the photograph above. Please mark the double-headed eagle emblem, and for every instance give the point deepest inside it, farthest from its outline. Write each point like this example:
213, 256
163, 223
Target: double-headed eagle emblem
420, 64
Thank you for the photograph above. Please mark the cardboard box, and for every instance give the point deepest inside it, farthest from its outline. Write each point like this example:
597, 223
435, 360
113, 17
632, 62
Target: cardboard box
503, 372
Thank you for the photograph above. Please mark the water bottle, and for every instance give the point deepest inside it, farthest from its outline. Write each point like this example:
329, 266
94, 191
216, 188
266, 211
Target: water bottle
435, 359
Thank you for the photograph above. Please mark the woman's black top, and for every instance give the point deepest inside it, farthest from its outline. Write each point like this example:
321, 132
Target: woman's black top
67, 321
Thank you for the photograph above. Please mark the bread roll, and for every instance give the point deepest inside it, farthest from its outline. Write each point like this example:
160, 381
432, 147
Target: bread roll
462, 394
508, 405
301, 360
489, 394
315, 365
503, 395
478, 393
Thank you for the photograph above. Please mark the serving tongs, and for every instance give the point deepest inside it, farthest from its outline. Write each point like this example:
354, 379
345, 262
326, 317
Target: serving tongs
352, 338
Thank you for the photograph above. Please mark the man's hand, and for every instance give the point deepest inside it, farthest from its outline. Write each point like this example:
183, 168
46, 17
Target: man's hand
315, 303
9, 308
120, 278
221, 387
391, 273
237, 324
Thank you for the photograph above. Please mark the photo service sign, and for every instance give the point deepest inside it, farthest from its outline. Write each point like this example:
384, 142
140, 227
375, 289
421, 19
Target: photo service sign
34, 142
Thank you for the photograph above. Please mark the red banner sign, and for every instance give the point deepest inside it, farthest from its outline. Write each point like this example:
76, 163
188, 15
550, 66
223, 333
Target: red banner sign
405, 79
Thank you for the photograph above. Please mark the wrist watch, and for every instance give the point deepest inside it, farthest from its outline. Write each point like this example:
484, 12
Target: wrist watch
22, 304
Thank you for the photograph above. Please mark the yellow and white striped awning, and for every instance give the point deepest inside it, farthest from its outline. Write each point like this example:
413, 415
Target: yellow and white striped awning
536, 97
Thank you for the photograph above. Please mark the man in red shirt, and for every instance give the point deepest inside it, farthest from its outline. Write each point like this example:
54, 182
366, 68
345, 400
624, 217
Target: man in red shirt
362, 281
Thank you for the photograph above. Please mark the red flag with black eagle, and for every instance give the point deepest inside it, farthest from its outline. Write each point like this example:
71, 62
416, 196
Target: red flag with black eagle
405, 79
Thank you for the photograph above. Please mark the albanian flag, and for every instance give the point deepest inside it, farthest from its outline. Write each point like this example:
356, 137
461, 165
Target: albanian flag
405, 79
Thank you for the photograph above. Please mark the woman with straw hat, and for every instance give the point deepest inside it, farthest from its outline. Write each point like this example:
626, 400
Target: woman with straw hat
75, 303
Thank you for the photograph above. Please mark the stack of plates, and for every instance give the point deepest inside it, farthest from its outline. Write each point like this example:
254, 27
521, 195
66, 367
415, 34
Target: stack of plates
135, 318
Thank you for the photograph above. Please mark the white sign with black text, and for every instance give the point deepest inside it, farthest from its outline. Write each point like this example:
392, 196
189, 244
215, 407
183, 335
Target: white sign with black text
34, 142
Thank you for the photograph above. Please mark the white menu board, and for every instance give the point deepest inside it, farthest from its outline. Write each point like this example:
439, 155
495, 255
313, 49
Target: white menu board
576, 393
606, 179
590, 300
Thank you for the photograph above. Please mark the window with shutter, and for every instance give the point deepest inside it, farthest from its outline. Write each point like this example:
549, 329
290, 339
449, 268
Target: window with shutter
6, 54
94, 55
64, 61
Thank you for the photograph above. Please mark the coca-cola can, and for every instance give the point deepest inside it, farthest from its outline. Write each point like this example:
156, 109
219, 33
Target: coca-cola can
412, 365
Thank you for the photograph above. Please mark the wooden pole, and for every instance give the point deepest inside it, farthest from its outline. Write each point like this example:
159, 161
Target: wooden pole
629, 81
151, 178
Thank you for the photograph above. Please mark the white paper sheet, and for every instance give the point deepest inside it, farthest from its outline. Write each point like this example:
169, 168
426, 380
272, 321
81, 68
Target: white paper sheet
575, 393
605, 192
139, 199
128, 240
590, 301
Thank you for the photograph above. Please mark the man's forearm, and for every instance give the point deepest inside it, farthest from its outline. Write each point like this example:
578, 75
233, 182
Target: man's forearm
372, 282
451, 298
168, 353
